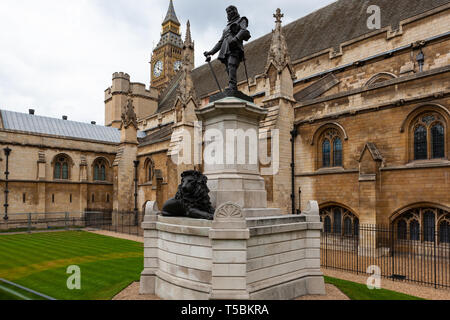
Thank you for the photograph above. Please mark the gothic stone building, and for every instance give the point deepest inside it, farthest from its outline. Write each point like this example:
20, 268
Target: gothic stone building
364, 113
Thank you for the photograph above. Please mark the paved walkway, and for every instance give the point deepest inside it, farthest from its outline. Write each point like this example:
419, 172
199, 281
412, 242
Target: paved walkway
117, 235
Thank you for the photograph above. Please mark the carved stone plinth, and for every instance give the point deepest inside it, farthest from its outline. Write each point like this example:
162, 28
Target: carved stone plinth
232, 257
231, 127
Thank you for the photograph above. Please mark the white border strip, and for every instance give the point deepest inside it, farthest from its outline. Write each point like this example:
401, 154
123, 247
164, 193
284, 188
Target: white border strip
23, 288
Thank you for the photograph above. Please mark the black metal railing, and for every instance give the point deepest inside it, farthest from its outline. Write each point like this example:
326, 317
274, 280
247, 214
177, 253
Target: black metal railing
128, 222
417, 256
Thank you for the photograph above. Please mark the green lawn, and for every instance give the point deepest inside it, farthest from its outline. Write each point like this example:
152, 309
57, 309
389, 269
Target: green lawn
39, 261
358, 291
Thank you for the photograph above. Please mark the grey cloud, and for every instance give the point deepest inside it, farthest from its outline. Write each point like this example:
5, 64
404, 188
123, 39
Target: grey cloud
59, 55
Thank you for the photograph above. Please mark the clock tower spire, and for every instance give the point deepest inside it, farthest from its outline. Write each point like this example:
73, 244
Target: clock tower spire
166, 57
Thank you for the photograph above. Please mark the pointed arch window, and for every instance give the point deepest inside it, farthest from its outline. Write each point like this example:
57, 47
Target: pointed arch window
429, 136
100, 170
331, 149
339, 221
149, 169
424, 224
61, 168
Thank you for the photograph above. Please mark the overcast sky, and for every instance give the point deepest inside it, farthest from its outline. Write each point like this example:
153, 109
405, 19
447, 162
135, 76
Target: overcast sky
58, 56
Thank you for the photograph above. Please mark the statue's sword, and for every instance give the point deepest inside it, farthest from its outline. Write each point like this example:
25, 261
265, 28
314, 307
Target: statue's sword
246, 74
212, 71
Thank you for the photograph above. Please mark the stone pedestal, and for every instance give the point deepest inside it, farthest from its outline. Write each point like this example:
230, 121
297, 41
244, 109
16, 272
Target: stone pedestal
231, 160
232, 257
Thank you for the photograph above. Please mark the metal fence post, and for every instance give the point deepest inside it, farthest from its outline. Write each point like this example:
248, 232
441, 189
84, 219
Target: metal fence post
66, 218
29, 222
357, 251
393, 253
434, 259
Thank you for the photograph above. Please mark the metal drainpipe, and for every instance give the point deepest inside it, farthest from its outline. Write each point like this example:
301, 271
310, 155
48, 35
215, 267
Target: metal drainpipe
7, 153
294, 134
136, 164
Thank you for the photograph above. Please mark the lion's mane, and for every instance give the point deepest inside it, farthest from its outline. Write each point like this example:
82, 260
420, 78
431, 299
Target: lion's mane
199, 199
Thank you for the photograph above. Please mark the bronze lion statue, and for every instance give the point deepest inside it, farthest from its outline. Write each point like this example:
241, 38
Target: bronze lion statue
192, 198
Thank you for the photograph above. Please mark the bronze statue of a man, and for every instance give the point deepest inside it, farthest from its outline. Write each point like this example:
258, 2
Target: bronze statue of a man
231, 45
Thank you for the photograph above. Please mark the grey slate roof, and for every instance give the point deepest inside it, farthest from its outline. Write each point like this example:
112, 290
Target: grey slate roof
158, 135
325, 28
25, 122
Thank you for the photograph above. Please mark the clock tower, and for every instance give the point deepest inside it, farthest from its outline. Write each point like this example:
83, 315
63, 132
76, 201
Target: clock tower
167, 55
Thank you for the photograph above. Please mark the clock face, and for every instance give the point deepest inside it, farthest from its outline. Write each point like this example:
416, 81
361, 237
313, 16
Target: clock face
177, 65
158, 68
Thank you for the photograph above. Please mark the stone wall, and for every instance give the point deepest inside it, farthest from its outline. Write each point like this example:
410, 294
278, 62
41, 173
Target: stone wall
31, 167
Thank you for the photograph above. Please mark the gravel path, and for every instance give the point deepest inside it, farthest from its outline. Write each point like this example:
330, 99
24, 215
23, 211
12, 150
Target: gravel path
132, 293
117, 235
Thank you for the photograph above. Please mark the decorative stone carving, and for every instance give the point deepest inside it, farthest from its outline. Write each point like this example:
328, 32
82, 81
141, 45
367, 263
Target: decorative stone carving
151, 208
278, 53
228, 210
41, 157
312, 208
128, 115
83, 161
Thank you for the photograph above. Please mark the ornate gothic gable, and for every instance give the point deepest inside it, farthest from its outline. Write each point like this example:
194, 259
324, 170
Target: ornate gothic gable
278, 52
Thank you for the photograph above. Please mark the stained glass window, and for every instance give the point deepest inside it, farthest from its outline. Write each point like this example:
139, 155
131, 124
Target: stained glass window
100, 170
327, 224
437, 143
61, 169
347, 226
57, 174
326, 153
356, 226
420, 143
414, 230
428, 226
337, 152
102, 173
444, 232
337, 220
401, 230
